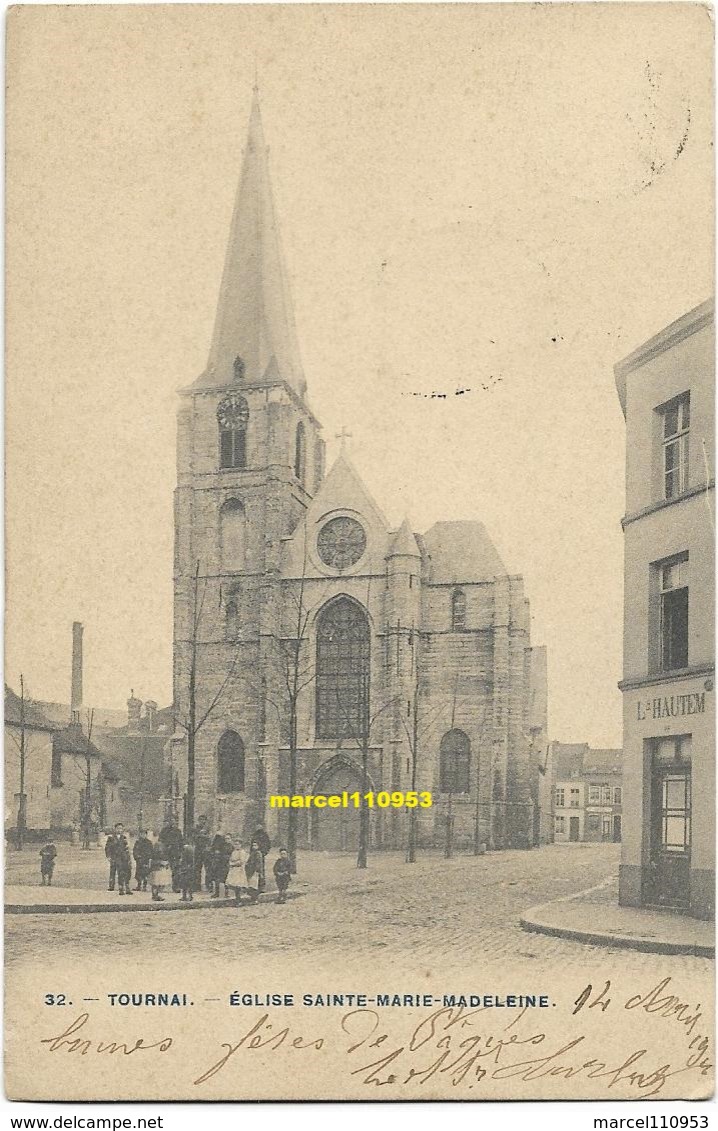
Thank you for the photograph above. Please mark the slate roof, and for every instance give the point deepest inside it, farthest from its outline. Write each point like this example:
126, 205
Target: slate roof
254, 320
34, 717
568, 759
603, 761
461, 552
575, 760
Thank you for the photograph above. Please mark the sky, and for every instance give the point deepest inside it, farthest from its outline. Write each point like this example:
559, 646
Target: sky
503, 200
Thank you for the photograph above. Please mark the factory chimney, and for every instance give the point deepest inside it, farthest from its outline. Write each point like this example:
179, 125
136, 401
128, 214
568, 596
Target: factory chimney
76, 692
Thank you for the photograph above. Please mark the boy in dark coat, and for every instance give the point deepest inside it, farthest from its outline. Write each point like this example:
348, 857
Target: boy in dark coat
112, 849
47, 863
142, 852
222, 849
123, 862
282, 874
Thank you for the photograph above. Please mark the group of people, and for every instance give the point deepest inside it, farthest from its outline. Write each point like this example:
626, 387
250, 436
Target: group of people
188, 863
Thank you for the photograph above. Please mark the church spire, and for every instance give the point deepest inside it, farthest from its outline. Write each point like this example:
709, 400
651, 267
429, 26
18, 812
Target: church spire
254, 331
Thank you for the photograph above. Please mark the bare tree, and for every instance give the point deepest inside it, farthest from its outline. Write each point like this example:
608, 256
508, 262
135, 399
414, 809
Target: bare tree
359, 730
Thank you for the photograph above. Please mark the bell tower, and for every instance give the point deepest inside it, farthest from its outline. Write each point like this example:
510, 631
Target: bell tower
249, 460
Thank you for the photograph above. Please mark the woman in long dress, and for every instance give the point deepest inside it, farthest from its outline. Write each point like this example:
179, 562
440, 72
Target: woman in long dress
160, 871
253, 871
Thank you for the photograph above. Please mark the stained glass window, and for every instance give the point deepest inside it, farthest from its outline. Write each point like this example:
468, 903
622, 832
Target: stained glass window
342, 674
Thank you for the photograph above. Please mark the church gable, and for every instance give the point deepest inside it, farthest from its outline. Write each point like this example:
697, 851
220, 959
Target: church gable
344, 530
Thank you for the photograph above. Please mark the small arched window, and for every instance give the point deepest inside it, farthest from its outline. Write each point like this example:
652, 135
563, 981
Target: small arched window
233, 417
232, 535
458, 610
230, 763
455, 762
300, 455
231, 619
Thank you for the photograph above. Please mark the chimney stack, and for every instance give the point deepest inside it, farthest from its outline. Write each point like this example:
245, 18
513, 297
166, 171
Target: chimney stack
76, 692
134, 708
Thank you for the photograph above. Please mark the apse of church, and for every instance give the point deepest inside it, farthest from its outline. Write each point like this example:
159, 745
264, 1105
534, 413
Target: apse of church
410, 652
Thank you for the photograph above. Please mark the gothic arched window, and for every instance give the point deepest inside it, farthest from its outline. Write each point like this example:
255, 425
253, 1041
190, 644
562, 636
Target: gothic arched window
230, 763
233, 417
300, 458
458, 610
232, 535
318, 463
454, 762
342, 672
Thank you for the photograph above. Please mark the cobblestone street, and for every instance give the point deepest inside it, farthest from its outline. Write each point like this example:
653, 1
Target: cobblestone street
464, 910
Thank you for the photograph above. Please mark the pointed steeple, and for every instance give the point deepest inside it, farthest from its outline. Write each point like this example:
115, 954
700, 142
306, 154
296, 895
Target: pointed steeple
404, 543
255, 320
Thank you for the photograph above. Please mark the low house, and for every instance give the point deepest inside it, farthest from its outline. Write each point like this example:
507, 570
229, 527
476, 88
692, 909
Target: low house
28, 756
588, 792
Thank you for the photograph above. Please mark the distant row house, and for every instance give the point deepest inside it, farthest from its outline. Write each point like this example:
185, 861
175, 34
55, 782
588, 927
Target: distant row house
61, 777
588, 793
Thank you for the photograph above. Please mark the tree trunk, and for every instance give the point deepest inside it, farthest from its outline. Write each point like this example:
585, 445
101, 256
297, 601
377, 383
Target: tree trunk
292, 830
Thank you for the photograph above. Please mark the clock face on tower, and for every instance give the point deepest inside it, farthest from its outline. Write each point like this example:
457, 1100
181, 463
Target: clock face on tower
233, 412
341, 542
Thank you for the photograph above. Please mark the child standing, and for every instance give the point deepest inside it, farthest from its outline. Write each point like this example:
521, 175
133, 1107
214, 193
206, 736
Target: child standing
47, 863
282, 874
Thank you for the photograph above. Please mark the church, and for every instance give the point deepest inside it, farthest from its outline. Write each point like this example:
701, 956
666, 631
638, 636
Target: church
317, 648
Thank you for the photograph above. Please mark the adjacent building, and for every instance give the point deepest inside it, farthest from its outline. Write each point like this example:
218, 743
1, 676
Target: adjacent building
666, 389
588, 793
331, 650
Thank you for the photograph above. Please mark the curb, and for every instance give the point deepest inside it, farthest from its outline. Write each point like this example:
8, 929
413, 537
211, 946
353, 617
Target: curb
137, 908
533, 923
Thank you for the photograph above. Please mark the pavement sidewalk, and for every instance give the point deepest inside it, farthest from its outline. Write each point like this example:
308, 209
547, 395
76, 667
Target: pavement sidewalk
594, 916
28, 899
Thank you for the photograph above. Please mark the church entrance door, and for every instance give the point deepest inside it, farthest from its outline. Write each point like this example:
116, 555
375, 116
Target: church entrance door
337, 830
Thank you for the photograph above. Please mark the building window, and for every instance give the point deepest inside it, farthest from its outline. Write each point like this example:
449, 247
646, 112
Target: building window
231, 620
605, 795
342, 670
676, 424
560, 799
594, 822
300, 445
617, 795
232, 417
560, 824
574, 797
674, 614
56, 770
458, 610
454, 762
232, 536
594, 795
606, 829
230, 763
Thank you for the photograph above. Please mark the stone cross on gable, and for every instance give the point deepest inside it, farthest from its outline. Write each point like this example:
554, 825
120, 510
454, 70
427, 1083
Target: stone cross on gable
343, 436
